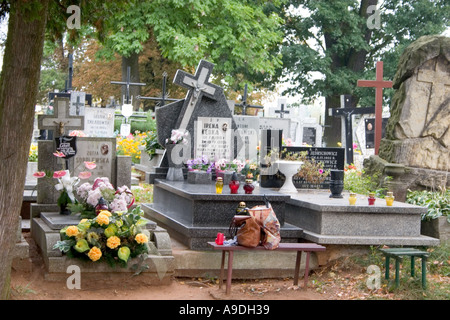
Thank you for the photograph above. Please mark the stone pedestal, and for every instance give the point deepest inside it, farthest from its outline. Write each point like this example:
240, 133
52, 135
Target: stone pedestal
194, 214
45, 231
333, 221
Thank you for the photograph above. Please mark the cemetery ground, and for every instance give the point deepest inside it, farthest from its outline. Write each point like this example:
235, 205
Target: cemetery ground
342, 278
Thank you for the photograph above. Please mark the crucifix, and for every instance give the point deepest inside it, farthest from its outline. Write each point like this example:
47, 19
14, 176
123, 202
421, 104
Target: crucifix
244, 104
199, 87
128, 83
163, 97
59, 122
346, 112
282, 112
378, 84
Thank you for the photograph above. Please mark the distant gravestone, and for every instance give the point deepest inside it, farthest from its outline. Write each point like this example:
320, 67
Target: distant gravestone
310, 133
99, 122
248, 128
276, 124
77, 103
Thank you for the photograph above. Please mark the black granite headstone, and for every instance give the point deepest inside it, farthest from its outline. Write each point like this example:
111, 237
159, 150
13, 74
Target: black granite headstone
309, 135
332, 158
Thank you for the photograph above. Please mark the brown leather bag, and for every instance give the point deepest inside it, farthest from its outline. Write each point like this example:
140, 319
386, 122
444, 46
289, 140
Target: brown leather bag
248, 231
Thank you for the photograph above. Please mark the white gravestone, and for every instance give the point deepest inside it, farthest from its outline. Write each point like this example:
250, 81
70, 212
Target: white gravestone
99, 122
213, 138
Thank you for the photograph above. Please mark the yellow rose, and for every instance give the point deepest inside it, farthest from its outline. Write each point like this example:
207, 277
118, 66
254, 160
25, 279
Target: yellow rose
95, 254
141, 238
105, 212
113, 242
72, 231
102, 219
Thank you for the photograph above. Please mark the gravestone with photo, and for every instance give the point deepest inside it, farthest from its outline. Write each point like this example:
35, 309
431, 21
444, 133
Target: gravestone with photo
46, 219
195, 213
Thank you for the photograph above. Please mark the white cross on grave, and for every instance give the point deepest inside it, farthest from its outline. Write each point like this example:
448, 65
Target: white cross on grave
198, 86
60, 121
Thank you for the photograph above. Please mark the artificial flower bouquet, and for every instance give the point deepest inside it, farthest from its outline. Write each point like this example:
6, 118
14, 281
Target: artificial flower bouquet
178, 136
224, 165
88, 196
114, 237
200, 164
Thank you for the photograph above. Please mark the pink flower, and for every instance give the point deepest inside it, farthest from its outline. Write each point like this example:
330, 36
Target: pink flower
59, 174
84, 175
59, 154
90, 165
320, 171
355, 146
39, 174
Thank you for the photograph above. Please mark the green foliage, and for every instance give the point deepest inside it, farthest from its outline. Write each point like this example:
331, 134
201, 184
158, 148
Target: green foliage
437, 202
331, 39
359, 182
236, 35
151, 143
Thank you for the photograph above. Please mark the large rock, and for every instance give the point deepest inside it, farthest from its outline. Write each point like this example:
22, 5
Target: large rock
417, 133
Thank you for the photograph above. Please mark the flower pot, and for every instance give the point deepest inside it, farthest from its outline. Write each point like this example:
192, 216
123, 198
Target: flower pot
199, 177
289, 169
175, 157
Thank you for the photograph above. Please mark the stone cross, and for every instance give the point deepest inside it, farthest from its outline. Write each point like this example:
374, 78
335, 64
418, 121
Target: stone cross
128, 83
378, 84
60, 121
77, 104
198, 86
282, 111
244, 104
346, 112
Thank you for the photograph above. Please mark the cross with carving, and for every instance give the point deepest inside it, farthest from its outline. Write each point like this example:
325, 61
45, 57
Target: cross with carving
282, 111
78, 104
60, 120
440, 81
128, 83
244, 104
378, 84
346, 112
199, 87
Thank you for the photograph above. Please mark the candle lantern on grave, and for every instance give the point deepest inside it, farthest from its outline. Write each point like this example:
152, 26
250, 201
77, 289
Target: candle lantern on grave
234, 183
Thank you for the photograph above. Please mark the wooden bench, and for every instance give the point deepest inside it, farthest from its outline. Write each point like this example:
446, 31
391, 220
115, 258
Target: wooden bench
397, 254
299, 247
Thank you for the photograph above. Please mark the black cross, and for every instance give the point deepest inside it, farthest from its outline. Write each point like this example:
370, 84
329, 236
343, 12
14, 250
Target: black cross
244, 104
347, 112
128, 84
164, 97
77, 105
69, 80
282, 111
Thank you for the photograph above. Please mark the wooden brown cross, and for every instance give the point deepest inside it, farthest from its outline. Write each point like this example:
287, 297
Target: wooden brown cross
378, 84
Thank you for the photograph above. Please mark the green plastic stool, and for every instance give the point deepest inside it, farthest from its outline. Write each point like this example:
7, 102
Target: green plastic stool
399, 253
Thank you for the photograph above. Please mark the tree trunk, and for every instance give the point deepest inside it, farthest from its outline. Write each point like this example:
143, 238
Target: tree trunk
132, 62
355, 61
18, 90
